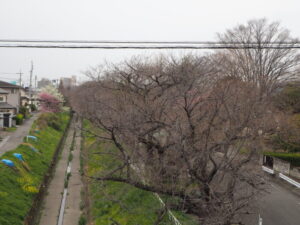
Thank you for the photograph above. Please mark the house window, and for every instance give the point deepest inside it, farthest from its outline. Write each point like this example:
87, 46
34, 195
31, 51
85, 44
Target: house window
13, 91
1, 99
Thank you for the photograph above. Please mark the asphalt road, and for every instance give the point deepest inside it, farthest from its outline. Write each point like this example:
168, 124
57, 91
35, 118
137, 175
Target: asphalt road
11, 141
279, 207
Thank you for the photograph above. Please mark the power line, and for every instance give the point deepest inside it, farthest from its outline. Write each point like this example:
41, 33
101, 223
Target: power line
146, 47
141, 42
88, 44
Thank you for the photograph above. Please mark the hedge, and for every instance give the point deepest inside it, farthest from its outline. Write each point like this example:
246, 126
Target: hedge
293, 158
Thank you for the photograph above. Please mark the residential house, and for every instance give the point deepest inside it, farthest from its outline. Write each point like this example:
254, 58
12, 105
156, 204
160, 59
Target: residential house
14, 94
7, 111
24, 97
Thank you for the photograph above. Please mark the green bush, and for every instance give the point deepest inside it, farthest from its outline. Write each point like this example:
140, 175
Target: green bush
33, 107
19, 119
50, 119
24, 111
82, 220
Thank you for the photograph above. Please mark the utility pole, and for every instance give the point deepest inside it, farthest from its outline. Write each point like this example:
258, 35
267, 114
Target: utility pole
30, 85
35, 83
20, 78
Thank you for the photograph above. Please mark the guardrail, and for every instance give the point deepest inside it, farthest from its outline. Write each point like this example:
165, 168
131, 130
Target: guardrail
268, 170
291, 181
171, 215
260, 220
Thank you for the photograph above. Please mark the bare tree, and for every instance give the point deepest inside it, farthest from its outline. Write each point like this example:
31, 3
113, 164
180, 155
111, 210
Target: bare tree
181, 130
261, 65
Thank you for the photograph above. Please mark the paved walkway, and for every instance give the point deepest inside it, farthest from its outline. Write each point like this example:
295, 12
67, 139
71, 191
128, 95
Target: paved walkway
72, 210
53, 201
12, 140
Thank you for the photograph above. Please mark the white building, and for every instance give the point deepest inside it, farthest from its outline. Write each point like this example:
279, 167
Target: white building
68, 82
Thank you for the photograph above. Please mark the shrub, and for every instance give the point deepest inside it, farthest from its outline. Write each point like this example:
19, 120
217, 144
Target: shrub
49, 119
33, 107
82, 220
24, 111
19, 119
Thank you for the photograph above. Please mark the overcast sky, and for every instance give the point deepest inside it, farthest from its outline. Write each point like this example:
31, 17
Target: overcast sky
156, 20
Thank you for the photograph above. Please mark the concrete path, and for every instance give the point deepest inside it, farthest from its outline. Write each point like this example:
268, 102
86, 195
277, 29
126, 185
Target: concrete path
53, 199
12, 140
69, 212
72, 210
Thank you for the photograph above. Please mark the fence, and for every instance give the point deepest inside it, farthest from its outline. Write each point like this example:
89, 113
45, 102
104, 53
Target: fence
268, 170
291, 181
260, 220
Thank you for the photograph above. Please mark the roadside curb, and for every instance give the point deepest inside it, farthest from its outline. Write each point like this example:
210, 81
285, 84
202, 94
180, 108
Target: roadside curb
3, 142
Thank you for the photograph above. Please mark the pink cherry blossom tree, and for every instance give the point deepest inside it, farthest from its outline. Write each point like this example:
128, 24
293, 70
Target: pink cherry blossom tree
49, 103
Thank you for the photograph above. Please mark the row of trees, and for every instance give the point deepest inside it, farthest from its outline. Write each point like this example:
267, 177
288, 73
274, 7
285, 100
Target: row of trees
192, 127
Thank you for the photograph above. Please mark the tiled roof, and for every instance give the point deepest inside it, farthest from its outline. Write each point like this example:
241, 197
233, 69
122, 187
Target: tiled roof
5, 105
4, 84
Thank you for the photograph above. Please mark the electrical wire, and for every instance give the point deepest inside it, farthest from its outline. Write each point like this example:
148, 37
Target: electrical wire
89, 44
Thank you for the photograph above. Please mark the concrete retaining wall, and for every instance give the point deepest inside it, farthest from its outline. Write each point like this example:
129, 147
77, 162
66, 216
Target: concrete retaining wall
281, 166
295, 172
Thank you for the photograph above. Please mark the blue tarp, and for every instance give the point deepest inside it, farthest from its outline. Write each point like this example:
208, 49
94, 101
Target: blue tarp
8, 162
32, 137
18, 156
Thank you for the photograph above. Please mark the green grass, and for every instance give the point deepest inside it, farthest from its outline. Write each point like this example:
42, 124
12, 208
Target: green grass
10, 129
113, 201
19, 187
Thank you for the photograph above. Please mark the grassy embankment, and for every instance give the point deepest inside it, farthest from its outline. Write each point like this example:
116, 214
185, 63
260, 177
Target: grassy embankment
118, 203
19, 187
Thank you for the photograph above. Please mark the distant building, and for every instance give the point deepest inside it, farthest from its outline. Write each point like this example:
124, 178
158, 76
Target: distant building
55, 82
68, 82
43, 83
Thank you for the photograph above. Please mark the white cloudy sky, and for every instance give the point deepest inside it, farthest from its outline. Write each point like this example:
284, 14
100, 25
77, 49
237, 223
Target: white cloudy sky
159, 20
